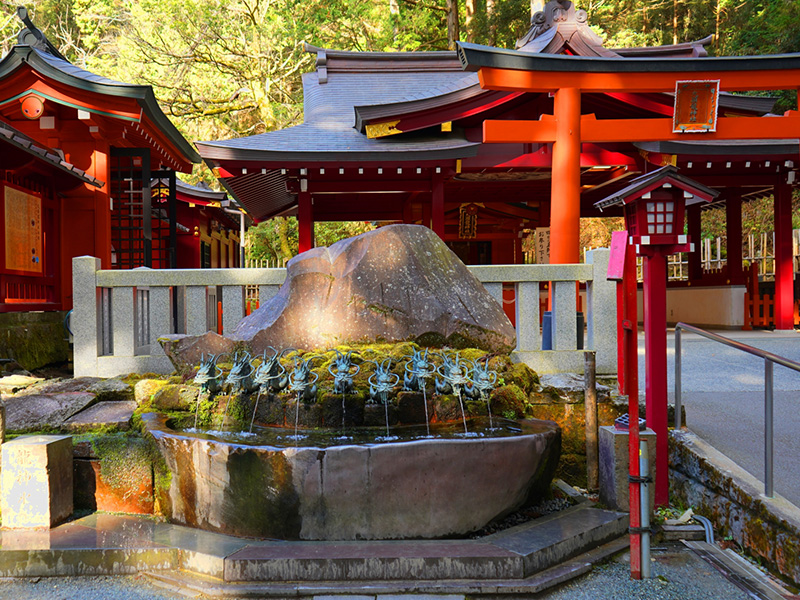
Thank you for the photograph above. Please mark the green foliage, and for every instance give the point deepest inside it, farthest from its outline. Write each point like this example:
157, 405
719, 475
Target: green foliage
276, 240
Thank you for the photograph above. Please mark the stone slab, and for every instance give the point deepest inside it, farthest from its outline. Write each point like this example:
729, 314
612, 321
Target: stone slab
552, 539
613, 472
111, 414
36, 481
112, 390
674, 533
38, 411
81, 561
331, 561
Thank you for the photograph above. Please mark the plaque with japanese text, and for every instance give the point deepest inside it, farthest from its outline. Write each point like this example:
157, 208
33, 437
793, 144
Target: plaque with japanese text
695, 106
542, 237
23, 230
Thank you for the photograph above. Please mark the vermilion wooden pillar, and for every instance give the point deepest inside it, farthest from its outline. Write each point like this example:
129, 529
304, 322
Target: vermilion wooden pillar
630, 341
305, 222
655, 344
784, 271
437, 208
565, 186
696, 235
733, 224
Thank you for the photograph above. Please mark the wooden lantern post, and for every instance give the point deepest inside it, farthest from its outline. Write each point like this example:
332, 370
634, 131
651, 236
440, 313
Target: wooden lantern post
655, 208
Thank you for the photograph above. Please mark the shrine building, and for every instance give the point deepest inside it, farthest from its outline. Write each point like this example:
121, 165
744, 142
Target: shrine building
483, 144
90, 168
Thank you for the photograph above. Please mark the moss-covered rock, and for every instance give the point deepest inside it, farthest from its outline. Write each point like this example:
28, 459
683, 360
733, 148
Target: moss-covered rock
112, 390
509, 401
145, 389
33, 339
522, 376
175, 396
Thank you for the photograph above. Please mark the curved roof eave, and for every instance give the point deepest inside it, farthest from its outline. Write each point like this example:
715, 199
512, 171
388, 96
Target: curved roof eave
475, 56
722, 147
74, 76
211, 152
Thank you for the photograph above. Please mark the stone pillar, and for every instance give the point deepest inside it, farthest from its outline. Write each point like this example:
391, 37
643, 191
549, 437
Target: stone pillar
601, 299
85, 315
614, 466
36, 481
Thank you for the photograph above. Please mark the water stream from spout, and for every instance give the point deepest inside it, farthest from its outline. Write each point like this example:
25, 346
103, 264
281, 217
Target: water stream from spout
296, 418
425, 404
197, 409
255, 409
463, 414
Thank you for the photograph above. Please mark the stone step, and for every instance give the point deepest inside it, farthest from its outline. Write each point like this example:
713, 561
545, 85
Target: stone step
512, 554
189, 583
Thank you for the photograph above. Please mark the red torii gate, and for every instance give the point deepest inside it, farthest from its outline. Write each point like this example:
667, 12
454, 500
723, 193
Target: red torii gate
568, 77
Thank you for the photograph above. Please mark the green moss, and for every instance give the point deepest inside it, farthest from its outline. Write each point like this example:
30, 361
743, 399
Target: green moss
522, 376
507, 399
125, 460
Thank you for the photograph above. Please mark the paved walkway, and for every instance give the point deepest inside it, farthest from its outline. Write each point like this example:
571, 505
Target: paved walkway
126, 544
723, 392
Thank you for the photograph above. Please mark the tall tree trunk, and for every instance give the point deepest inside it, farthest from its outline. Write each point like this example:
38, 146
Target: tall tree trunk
470, 8
674, 21
394, 11
452, 24
490, 20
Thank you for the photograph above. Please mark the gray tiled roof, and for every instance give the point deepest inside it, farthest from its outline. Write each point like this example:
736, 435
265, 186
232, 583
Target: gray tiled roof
65, 72
329, 110
16, 138
77, 72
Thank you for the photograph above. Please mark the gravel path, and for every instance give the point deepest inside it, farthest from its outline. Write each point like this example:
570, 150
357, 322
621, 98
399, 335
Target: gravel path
677, 574
131, 587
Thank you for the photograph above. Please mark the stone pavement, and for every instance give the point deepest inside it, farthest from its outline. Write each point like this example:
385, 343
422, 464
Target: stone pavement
723, 394
524, 561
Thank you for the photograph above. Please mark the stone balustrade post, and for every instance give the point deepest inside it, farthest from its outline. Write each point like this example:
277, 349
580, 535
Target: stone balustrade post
601, 299
85, 314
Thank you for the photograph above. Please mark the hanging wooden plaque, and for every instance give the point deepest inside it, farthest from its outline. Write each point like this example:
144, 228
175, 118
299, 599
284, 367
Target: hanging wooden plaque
23, 230
695, 106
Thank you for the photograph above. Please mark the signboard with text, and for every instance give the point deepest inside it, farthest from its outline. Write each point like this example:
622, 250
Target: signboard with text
23, 230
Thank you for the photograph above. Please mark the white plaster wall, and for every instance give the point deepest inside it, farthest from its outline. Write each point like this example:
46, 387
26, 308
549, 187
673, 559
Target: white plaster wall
718, 307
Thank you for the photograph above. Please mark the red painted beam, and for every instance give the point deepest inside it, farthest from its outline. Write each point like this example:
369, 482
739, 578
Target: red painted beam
642, 130
549, 81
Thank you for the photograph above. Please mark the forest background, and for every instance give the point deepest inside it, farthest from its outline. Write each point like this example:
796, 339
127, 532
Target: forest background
229, 68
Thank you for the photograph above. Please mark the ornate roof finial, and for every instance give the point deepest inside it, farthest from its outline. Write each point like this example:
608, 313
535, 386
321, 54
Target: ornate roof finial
558, 27
30, 35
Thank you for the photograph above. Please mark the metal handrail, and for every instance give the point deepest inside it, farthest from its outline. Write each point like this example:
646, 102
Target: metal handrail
769, 360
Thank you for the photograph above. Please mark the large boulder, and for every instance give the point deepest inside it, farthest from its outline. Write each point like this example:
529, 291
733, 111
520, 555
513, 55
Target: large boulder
399, 282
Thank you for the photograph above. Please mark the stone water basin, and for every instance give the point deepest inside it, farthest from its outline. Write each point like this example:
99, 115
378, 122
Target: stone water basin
414, 488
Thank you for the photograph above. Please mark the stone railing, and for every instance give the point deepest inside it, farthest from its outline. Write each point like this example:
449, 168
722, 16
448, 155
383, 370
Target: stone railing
118, 315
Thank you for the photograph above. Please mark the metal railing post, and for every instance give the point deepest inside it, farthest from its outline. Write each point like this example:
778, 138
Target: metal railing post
677, 378
768, 429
